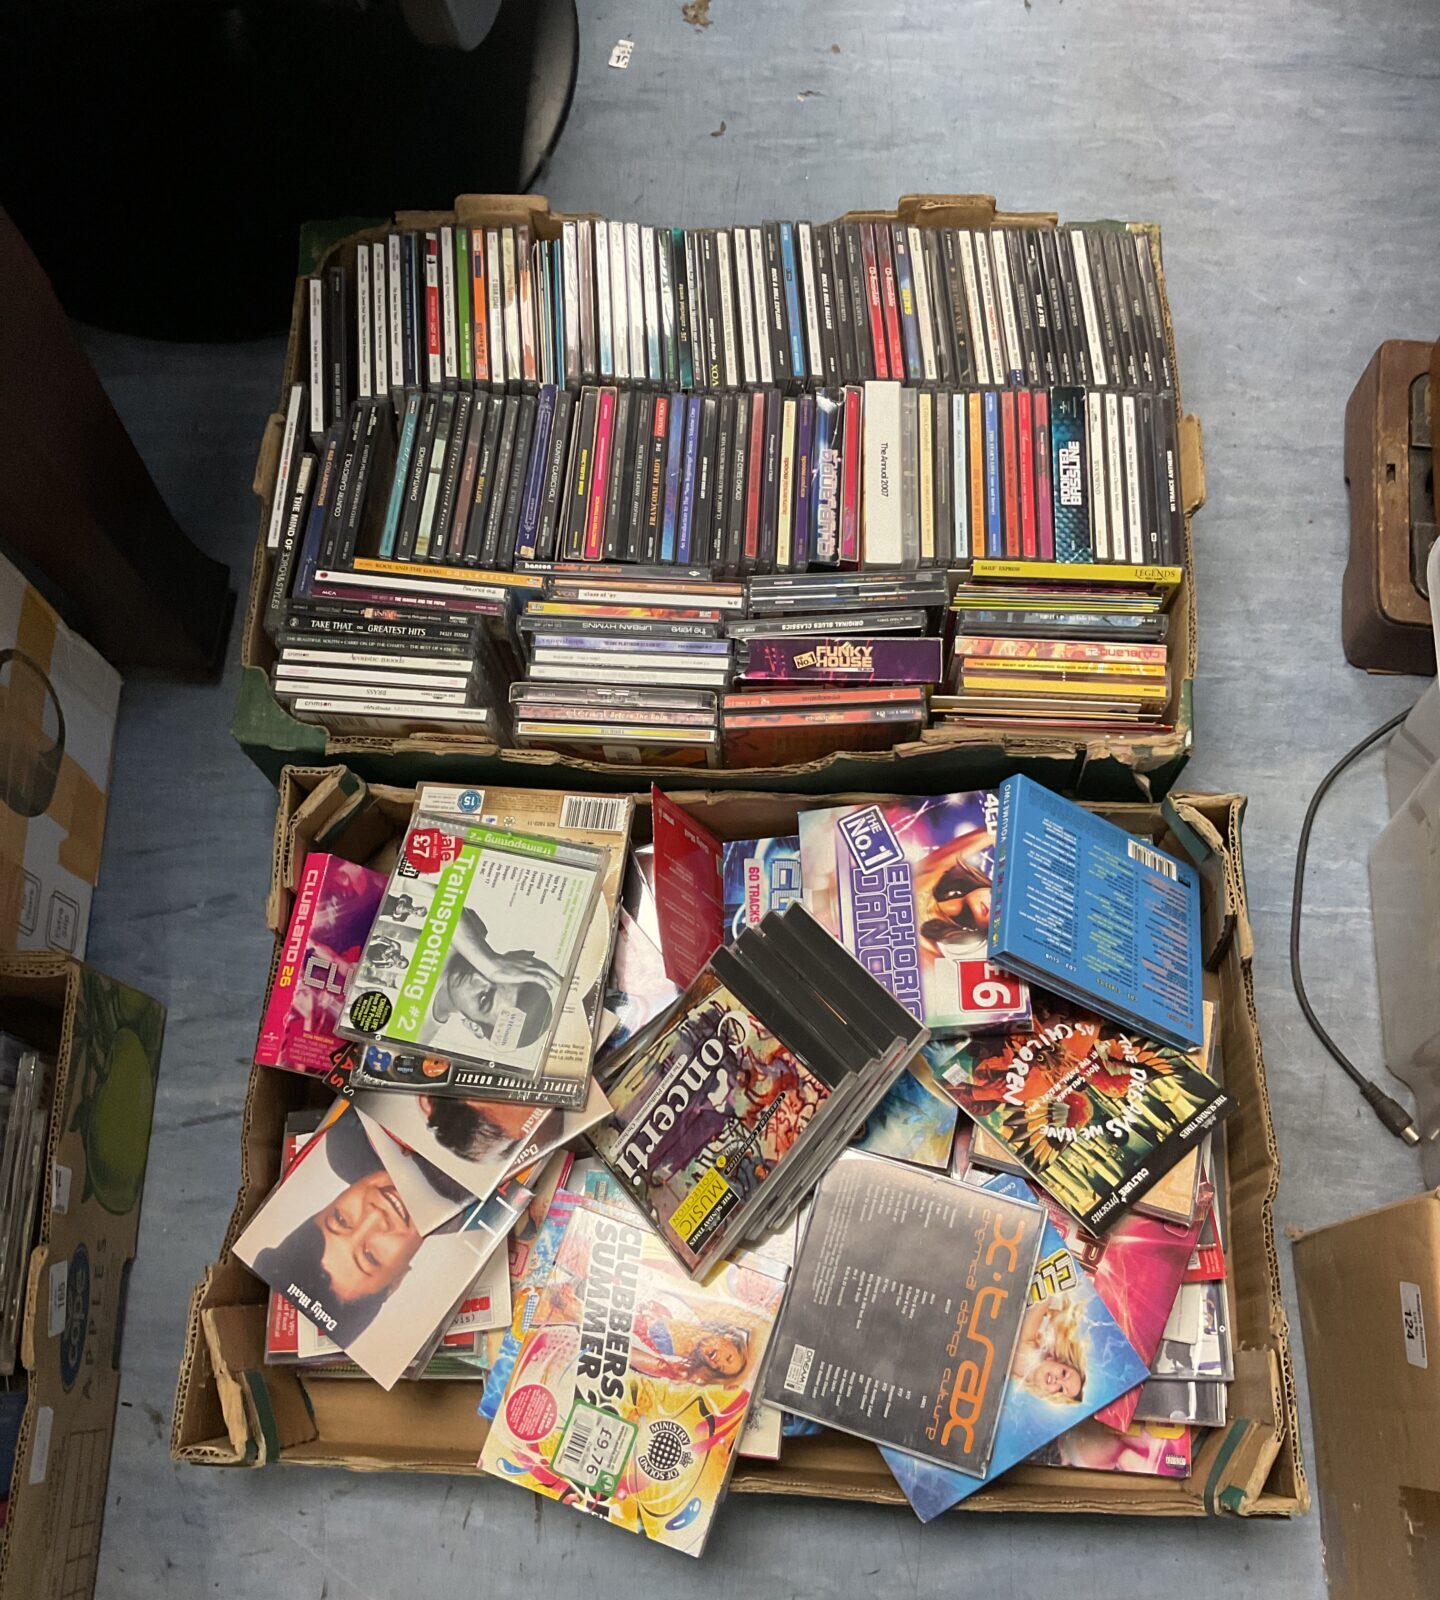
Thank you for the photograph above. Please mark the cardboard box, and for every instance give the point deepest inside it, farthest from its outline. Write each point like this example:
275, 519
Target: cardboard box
1370, 1313
58, 702
231, 1409
1111, 766
106, 1039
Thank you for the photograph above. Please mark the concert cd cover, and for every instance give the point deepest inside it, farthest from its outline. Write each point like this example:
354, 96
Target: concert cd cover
705, 1114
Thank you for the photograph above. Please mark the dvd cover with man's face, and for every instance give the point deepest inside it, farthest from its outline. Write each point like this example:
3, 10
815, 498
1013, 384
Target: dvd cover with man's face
473, 948
595, 821
368, 1245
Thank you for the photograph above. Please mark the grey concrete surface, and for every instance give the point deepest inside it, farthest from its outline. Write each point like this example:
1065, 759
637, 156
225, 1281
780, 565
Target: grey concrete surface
1288, 150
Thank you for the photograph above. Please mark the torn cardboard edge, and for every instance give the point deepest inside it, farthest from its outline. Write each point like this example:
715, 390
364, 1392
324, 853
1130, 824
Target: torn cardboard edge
232, 1410
1095, 766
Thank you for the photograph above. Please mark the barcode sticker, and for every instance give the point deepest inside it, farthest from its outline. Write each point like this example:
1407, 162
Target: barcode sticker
596, 813
1154, 859
594, 1448
797, 1374
1412, 1322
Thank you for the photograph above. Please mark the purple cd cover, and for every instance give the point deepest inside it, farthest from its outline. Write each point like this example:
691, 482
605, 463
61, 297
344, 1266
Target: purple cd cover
904, 885
335, 907
843, 660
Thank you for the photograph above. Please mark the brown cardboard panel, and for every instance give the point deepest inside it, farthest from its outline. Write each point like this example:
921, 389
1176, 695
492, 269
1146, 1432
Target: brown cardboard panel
259, 1402
1253, 1467
1144, 766
1192, 462
935, 210
1370, 1311
58, 702
1421, 1510
437, 1417
107, 1042
199, 1405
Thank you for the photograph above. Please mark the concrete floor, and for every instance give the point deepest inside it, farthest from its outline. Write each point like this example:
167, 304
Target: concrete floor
1288, 150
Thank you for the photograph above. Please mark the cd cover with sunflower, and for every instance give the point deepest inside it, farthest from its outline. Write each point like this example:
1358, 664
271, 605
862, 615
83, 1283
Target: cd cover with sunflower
1095, 1112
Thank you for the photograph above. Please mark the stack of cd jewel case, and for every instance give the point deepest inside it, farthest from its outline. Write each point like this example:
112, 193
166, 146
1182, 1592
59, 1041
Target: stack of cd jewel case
729, 1106
24, 1080
484, 408
500, 312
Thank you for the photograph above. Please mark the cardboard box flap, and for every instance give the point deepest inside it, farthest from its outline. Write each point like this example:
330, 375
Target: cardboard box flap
420, 221
1244, 932
492, 210
267, 461
430, 1425
339, 813
265, 1408
343, 808
1192, 463
338, 794
198, 1429
1205, 842
937, 210
1235, 1461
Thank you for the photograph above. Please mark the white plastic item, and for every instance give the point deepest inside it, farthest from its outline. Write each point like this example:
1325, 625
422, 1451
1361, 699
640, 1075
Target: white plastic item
1405, 903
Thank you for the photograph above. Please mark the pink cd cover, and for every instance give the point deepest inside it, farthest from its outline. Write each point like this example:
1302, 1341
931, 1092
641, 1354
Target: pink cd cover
1136, 1269
334, 909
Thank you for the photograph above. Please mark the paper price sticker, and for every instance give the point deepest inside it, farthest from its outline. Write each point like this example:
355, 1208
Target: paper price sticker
1412, 1322
40, 1445
986, 988
594, 1448
428, 849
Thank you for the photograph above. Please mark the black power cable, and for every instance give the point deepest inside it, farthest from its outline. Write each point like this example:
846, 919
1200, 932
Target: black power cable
1390, 1112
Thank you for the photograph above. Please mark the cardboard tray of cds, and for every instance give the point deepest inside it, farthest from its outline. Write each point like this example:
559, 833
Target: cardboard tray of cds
231, 1409
1108, 766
